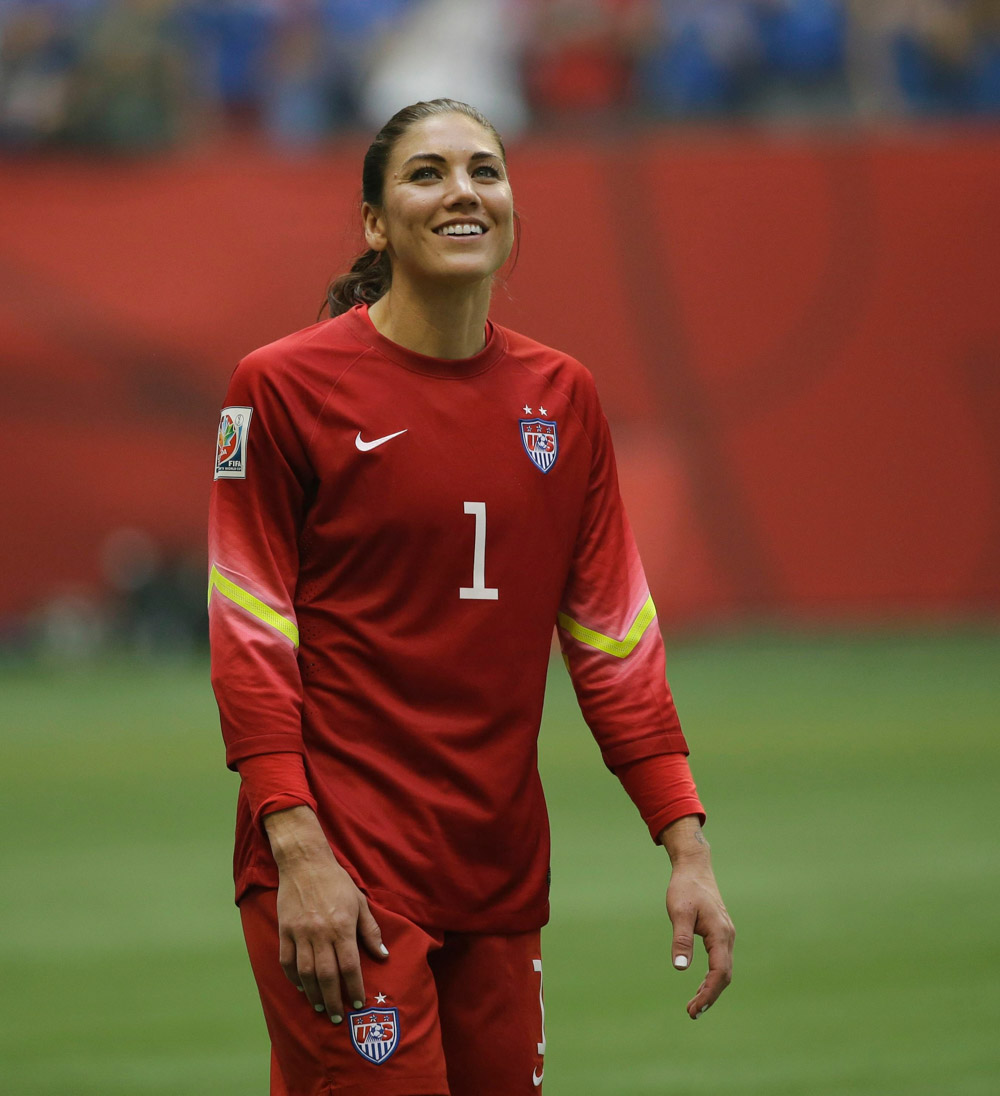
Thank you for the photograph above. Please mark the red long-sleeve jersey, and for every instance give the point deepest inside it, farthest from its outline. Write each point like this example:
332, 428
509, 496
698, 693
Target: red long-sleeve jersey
392, 540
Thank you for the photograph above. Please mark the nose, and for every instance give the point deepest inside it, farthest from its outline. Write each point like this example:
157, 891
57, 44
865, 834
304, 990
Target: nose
461, 190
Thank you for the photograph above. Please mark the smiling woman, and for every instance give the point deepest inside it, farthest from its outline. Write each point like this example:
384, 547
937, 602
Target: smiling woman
442, 167
415, 499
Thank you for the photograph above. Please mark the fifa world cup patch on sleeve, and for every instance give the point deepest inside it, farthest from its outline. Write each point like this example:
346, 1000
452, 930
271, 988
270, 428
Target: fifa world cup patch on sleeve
231, 452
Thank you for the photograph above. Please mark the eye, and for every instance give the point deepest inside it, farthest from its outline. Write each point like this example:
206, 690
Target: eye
487, 170
423, 173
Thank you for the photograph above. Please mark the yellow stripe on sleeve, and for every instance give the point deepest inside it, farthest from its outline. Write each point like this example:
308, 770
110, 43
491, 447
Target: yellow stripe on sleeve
253, 605
620, 648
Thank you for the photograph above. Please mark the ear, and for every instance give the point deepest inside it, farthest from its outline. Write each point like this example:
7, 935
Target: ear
374, 223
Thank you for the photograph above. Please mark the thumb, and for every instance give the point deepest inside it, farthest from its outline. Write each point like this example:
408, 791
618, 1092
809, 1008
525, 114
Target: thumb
682, 946
370, 933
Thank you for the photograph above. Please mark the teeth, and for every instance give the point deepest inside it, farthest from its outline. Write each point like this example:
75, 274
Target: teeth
461, 230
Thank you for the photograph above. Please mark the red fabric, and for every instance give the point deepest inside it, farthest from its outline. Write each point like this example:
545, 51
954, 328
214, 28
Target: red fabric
663, 789
493, 1040
415, 706
274, 782
311, 1056
468, 1013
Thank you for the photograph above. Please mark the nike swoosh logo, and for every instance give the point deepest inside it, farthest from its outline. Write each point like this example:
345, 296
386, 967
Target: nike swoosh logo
364, 446
536, 1077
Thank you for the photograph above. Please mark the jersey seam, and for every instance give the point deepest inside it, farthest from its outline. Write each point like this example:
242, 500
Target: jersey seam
285, 371
334, 385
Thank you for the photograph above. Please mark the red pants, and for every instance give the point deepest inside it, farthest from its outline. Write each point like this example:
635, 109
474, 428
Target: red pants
447, 1014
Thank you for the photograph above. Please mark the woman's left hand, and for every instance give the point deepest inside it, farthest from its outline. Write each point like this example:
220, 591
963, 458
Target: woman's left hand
696, 908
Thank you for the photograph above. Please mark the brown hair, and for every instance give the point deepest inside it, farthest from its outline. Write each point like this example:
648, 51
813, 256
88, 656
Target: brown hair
371, 272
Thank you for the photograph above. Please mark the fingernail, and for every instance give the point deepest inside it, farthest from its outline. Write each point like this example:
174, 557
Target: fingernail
383, 949
300, 989
703, 1009
336, 1019
319, 1008
359, 1004
680, 962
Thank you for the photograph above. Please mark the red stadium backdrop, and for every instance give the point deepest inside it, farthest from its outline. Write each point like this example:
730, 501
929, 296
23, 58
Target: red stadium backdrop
797, 339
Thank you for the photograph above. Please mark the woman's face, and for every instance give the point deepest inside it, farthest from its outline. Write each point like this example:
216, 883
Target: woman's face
447, 210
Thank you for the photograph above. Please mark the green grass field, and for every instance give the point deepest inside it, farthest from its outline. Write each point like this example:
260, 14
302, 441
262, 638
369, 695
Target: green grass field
852, 790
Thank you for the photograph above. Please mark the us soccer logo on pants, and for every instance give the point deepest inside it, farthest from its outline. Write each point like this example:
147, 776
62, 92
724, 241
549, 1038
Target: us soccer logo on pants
375, 1033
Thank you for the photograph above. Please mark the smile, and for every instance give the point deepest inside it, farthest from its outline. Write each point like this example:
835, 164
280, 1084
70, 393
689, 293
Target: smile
460, 230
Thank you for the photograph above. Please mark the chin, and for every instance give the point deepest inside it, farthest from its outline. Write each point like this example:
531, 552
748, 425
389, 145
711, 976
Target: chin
472, 273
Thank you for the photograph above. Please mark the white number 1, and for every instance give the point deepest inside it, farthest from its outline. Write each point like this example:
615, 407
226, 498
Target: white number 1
478, 591
536, 1075
537, 964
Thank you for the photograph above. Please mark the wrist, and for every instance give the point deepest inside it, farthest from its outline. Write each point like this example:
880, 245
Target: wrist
684, 840
295, 836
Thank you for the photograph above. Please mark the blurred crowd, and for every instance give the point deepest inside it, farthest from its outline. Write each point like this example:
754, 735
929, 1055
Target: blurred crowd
149, 602
142, 74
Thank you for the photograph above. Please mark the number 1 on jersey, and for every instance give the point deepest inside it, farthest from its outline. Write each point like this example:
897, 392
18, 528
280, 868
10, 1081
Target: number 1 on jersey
478, 591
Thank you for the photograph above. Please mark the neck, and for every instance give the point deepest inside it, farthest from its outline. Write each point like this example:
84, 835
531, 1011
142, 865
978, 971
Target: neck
444, 322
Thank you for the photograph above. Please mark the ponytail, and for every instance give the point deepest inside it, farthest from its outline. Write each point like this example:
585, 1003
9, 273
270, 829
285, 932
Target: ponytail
366, 281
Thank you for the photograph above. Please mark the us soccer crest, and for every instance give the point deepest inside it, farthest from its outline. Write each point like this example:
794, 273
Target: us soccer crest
375, 1033
541, 442
231, 451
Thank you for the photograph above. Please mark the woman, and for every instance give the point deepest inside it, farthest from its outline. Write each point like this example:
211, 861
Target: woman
407, 499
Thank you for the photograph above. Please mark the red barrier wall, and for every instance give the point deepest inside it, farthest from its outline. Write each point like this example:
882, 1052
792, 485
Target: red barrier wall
797, 339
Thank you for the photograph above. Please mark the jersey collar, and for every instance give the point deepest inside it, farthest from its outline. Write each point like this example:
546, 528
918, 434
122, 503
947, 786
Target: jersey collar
364, 329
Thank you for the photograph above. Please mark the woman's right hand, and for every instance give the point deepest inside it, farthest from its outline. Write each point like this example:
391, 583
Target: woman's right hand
321, 915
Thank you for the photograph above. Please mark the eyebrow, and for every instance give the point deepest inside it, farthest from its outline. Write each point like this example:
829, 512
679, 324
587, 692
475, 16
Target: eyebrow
439, 159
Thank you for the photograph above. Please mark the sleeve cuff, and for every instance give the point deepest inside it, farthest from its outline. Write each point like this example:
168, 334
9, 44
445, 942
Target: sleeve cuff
662, 789
279, 742
661, 744
275, 782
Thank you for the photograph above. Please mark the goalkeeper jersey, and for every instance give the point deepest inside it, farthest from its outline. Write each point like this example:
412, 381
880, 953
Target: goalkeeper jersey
393, 538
